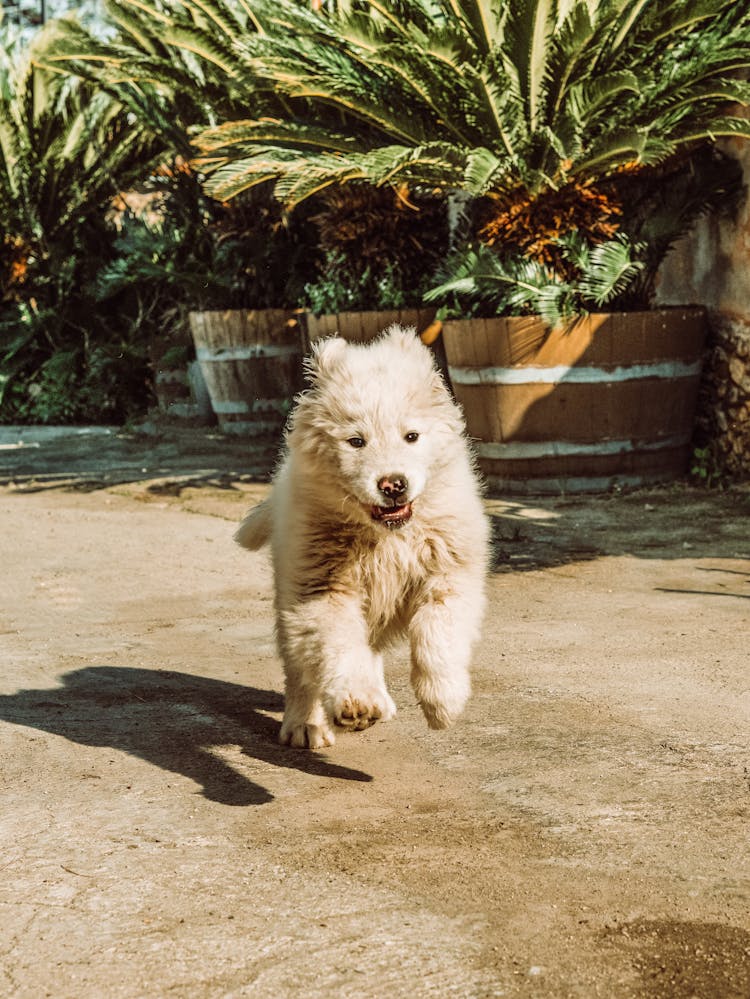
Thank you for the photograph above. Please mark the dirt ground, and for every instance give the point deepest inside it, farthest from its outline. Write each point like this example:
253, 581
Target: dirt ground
583, 831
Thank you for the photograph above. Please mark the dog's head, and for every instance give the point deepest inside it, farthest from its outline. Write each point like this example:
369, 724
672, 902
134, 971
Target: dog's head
376, 424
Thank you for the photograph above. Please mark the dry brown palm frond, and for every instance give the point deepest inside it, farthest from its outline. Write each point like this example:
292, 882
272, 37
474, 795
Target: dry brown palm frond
519, 223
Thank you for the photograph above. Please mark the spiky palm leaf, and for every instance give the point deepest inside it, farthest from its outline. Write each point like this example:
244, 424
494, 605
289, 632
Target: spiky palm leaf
606, 270
529, 100
173, 65
65, 151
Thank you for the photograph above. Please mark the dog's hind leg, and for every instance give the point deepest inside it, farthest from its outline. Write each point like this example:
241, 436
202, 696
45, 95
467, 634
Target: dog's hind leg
305, 724
442, 633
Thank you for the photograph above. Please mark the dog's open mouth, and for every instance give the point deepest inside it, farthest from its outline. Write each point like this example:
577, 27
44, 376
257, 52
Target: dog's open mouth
391, 516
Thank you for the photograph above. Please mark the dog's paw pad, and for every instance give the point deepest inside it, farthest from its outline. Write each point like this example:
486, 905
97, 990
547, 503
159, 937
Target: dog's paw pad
357, 712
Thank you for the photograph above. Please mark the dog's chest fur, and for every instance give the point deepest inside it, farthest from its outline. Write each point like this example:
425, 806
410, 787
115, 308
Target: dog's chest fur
388, 573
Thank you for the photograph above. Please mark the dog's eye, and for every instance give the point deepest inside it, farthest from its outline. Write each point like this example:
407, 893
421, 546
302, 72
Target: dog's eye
356, 441
411, 437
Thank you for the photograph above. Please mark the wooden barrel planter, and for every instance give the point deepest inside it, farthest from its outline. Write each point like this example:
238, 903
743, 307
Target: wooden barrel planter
359, 327
181, 392
252, 365
607, 401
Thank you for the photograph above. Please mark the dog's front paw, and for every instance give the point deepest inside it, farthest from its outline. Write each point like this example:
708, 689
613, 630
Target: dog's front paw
358, 710
305, 736
441, 702
438, 715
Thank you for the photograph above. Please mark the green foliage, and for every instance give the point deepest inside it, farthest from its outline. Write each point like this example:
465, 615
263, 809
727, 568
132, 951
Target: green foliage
379, 248
196, 254
65, 151
169, 259
461, 94
707, 468
574, 106
76, 380
340, 289
661, 204
482, 283
172, 65
84, 305
272, 255
531, 101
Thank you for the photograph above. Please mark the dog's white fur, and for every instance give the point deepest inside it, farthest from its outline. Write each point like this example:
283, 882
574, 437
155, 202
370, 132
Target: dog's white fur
348, 584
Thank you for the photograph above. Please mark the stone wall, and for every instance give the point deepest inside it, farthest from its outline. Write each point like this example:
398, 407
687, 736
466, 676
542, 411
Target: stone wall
711, 267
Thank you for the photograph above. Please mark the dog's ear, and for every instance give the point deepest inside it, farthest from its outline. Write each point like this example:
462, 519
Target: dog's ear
404, 336
325, 357
408, 340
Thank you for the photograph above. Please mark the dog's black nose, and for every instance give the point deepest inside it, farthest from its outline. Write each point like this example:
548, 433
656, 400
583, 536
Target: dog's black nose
394, 487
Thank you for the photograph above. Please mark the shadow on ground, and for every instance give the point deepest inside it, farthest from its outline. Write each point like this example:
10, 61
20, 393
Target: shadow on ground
670, 522
88, 458
171, 720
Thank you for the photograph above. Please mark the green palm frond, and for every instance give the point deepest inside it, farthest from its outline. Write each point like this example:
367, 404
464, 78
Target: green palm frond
599, 275
206, 48
589, 95
226, 182
173, 65
522, 103
482, 167
479, 276
299, 172
607, 270
65, 151
480, 22
528, 30
295, 135
551, 91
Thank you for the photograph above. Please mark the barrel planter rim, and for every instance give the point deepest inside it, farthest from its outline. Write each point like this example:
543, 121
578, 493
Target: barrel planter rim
372, 322
362, 325
563, 397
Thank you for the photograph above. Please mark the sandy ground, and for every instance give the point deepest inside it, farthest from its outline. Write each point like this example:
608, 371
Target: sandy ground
583, 831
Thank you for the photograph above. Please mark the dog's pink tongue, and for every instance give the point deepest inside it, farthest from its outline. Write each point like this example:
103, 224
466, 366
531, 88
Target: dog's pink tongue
391, 514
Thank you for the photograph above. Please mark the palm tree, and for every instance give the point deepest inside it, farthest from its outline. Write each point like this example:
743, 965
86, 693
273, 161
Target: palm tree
595, 278
549, 116
65, 152
515, 97
174, 65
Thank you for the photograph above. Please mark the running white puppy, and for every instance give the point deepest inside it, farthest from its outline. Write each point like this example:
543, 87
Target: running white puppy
377, 529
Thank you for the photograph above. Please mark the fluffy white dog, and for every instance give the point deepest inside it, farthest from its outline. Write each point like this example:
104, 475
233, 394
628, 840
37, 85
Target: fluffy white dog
377, 529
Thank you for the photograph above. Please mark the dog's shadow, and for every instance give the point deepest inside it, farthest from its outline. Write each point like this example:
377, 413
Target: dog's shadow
172, 720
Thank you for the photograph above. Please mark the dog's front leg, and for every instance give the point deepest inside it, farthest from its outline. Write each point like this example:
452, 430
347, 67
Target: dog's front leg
352, 683
305, 724
442, 632
332, 674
